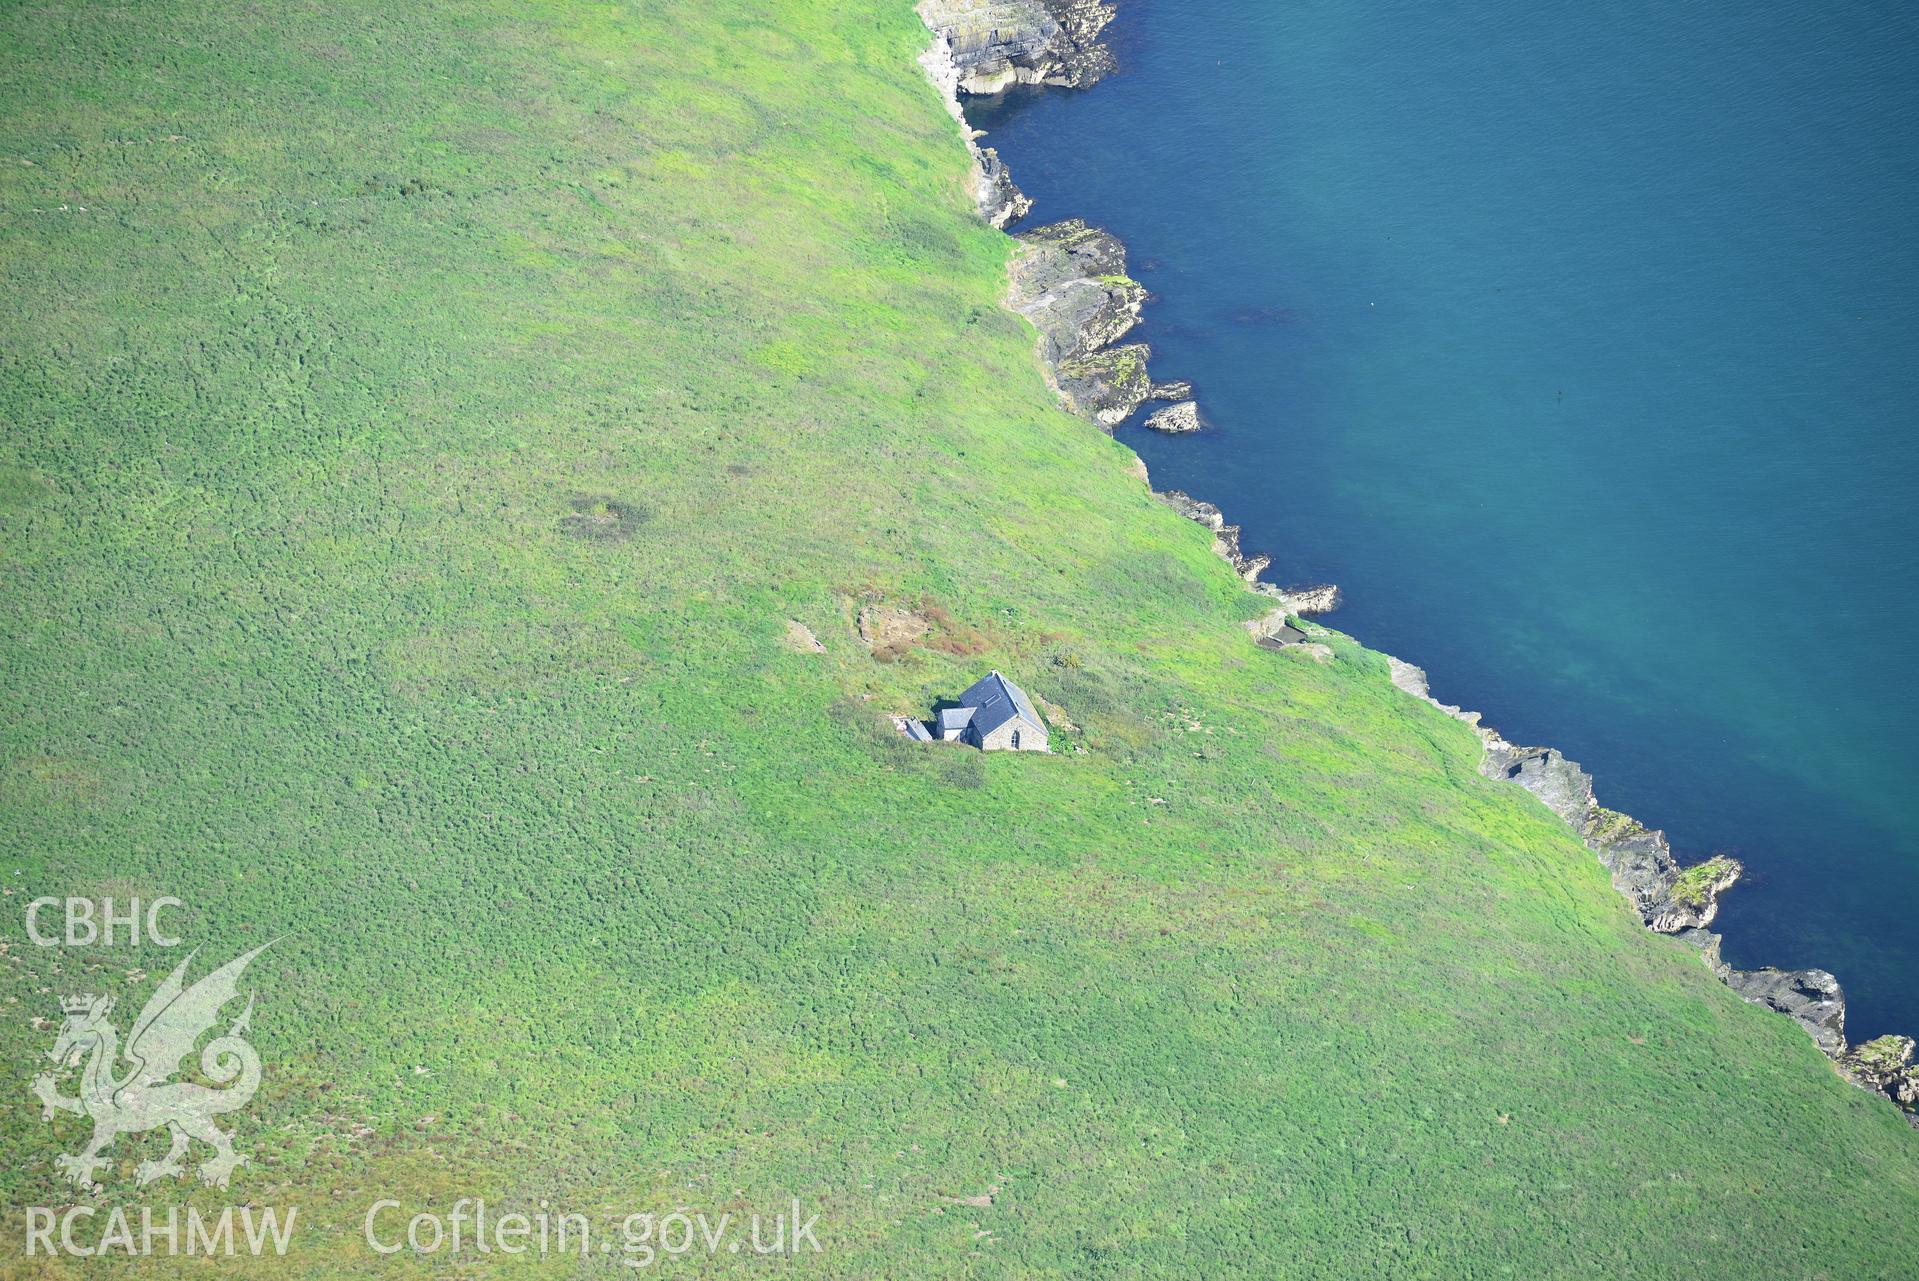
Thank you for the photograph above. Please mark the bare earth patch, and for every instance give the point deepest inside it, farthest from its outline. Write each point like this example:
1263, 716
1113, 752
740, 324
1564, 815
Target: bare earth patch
801, 640
890, 632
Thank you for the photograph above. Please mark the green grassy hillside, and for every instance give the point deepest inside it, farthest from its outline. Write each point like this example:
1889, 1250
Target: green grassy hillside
422, 421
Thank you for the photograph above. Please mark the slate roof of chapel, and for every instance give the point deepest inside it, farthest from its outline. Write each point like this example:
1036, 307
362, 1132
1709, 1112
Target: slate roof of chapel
998, 701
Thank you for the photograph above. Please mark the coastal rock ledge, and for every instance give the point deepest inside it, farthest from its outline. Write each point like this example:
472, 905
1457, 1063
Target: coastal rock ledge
1320, 598
995, 44
1293, 602
1070, 280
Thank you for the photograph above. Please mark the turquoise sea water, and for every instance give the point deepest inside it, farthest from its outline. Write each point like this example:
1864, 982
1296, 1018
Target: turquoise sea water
1580, 344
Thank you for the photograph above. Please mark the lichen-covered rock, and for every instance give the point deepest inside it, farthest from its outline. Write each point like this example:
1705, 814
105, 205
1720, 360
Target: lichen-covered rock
994, 44
1076, 58
1175, 419
1639, 858
1105, 386
1885, 1064
1320, 598
1071, 282
1692, 901
1813, 998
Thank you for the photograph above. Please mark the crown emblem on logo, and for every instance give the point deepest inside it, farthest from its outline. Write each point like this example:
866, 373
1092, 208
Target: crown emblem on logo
150, 1095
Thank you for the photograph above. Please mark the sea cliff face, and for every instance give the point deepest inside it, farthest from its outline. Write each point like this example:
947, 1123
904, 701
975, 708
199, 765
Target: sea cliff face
995, 44
985, 46
1070, 280
1001, 202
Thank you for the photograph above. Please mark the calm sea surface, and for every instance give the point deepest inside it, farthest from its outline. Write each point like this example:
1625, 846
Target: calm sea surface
1580, 345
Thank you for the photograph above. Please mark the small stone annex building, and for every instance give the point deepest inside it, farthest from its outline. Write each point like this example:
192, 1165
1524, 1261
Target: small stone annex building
993, 715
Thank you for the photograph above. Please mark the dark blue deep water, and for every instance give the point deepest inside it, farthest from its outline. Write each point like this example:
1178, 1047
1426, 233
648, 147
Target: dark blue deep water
1580, 344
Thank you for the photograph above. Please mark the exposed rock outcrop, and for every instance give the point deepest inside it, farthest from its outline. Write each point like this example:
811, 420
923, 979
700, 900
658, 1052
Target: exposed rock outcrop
1320, 598
1193, 508
1885, 1064
1070, 280
1175, 418
1248, 567
994, 44
1708, 944
1273, 625
984, 46
1294, 602
1001, 202
1225, 537
1106, 385
1640, 859
1813, 997
1695, 894
1177, 389
1056, 715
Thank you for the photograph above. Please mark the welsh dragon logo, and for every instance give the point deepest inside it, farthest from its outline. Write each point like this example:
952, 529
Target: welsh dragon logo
145, 1096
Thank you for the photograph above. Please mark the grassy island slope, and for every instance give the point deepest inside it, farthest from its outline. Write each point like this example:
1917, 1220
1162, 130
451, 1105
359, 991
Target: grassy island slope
423, 421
